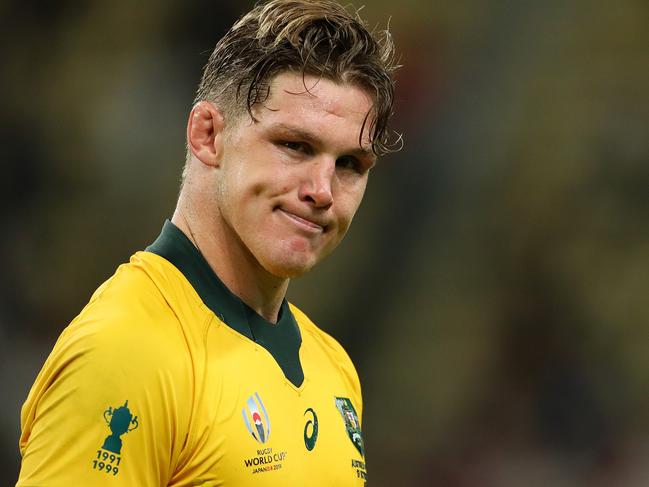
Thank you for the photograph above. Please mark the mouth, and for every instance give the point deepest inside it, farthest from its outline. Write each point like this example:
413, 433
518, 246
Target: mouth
302, 222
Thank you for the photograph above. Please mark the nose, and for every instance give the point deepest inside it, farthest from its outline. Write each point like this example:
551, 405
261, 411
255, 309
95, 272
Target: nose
316, 187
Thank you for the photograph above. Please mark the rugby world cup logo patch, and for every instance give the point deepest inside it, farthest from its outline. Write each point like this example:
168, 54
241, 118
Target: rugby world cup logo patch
258, 425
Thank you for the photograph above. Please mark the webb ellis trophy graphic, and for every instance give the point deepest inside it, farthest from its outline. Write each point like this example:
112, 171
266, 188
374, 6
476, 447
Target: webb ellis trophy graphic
119, 421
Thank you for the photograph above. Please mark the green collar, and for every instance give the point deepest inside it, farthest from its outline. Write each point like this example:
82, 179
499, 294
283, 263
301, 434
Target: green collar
282, 340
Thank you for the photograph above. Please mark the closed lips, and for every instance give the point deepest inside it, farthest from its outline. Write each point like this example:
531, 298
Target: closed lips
302, 221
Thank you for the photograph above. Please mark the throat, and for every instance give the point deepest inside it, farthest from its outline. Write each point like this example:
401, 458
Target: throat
236, 267
266, 300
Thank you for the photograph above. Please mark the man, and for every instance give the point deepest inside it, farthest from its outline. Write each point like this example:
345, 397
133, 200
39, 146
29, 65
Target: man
188, 367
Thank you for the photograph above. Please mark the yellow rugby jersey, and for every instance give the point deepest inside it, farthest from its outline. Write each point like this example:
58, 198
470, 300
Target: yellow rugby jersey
168, 379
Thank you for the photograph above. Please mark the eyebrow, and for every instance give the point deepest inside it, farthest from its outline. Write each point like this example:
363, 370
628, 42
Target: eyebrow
315, 140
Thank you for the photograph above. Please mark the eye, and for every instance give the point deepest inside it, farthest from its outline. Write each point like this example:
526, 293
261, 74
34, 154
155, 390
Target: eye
350, 163
295, 146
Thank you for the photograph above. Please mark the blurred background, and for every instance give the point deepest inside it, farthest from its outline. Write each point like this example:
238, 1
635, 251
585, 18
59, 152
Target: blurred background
493, 291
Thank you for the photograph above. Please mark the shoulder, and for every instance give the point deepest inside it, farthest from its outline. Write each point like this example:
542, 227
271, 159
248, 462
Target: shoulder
125, 350
126, 312
128, 330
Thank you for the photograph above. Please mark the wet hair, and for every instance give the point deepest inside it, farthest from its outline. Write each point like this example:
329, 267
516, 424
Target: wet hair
312, 37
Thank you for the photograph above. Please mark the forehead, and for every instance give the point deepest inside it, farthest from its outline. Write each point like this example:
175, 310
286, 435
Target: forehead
317, 103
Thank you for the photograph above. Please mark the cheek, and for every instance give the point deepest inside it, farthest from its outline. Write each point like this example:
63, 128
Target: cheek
246, 188
343, 222
266, 183
349, 207
256, 189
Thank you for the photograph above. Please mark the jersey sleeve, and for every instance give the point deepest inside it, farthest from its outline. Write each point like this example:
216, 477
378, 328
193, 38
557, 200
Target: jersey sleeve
110, 406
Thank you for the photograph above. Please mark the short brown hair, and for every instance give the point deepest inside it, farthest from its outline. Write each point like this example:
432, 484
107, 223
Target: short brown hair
315, 37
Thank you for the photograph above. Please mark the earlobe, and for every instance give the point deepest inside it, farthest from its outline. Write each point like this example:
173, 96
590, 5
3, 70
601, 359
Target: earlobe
204, 133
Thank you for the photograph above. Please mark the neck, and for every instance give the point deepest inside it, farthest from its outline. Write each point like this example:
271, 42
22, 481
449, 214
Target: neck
231, 262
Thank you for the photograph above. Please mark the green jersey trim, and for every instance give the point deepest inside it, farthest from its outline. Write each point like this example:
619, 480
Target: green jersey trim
281, 340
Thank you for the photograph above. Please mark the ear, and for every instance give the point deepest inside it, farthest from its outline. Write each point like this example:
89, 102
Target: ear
205, 133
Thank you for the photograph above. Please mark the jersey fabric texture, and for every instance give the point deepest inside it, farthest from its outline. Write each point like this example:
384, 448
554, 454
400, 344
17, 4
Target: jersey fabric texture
168, 379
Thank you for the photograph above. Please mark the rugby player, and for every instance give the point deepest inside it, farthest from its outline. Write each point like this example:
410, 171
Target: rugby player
188, 367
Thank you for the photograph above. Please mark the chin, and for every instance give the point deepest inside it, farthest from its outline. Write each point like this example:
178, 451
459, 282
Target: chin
288, 270
290, 266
